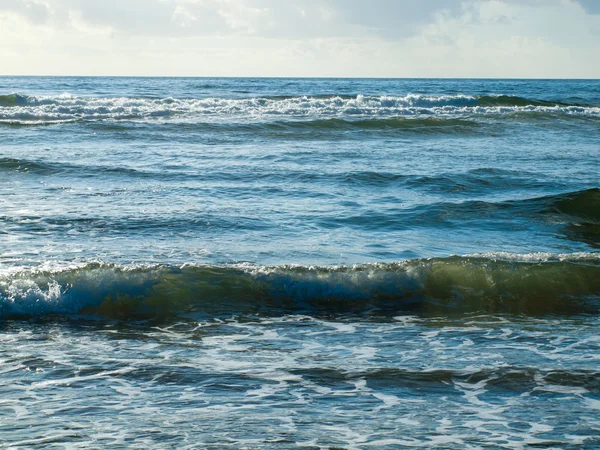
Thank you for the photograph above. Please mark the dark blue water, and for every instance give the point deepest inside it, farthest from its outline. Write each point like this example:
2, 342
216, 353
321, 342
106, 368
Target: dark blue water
274, 263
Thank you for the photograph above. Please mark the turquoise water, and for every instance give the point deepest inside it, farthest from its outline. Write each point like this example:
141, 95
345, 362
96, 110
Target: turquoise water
299, 263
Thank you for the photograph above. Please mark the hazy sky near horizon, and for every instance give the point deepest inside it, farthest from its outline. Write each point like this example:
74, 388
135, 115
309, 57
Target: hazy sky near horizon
353, 38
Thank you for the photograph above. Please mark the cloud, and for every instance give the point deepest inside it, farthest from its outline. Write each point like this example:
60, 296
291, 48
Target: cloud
35, 12
344, 18
392, 38
299, 19
394, 17
590, 6
146, 17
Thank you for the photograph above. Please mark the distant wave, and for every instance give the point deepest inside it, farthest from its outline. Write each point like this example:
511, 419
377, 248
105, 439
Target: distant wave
584, 204
279, 127
14, 100
17, 109
52, 168
579, 211
451, 182
448, 180
576, 215
429, 125
530, 284
510, 100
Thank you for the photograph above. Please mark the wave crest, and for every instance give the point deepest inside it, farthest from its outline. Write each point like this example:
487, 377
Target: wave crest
21, 109
530, 284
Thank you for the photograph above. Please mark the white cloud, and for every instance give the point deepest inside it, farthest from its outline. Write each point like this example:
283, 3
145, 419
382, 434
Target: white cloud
265, 18
490, 38
35, 11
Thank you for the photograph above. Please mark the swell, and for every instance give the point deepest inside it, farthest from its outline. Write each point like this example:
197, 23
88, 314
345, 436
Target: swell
579, 211
467, 182
140, 225
482, 180
46, 168
521, 284
510, 100
583, 204
21, 165
574, 215
579, 206
429, 125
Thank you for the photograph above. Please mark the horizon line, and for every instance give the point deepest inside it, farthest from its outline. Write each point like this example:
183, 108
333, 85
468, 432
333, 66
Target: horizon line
304, 77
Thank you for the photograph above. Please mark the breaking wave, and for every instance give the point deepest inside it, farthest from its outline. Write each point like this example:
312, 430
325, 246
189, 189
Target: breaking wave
507, 283
17, 109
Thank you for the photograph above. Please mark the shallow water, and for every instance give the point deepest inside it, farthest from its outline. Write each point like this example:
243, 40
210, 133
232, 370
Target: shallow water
484, 381
292, 263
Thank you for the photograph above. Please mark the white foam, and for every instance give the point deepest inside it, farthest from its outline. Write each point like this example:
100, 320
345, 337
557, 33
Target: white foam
388, 400
540, 428
592, 403
69, 108
559, 389
537, 256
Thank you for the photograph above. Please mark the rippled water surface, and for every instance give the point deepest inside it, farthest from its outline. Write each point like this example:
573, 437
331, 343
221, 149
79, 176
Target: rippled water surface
299, 263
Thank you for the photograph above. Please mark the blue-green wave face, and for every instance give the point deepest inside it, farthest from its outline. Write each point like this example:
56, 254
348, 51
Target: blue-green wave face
9, 100
534, 284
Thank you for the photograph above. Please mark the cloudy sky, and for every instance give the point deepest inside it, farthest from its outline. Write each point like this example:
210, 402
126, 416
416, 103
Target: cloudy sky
355, 38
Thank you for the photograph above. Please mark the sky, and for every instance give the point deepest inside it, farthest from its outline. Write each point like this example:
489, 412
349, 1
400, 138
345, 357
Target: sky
312, 38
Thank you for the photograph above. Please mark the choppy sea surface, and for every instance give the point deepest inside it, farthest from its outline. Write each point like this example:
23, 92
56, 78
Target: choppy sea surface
299, 263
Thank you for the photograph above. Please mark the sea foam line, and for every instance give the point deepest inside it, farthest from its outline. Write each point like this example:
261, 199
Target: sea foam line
25, 109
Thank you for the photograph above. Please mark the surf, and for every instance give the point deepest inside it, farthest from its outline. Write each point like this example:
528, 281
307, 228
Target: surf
18, 109
520, 284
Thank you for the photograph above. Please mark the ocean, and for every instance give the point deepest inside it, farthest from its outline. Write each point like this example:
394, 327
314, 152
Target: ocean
280, 263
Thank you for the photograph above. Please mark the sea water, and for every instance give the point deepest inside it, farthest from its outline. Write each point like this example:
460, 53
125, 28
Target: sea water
299, 263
